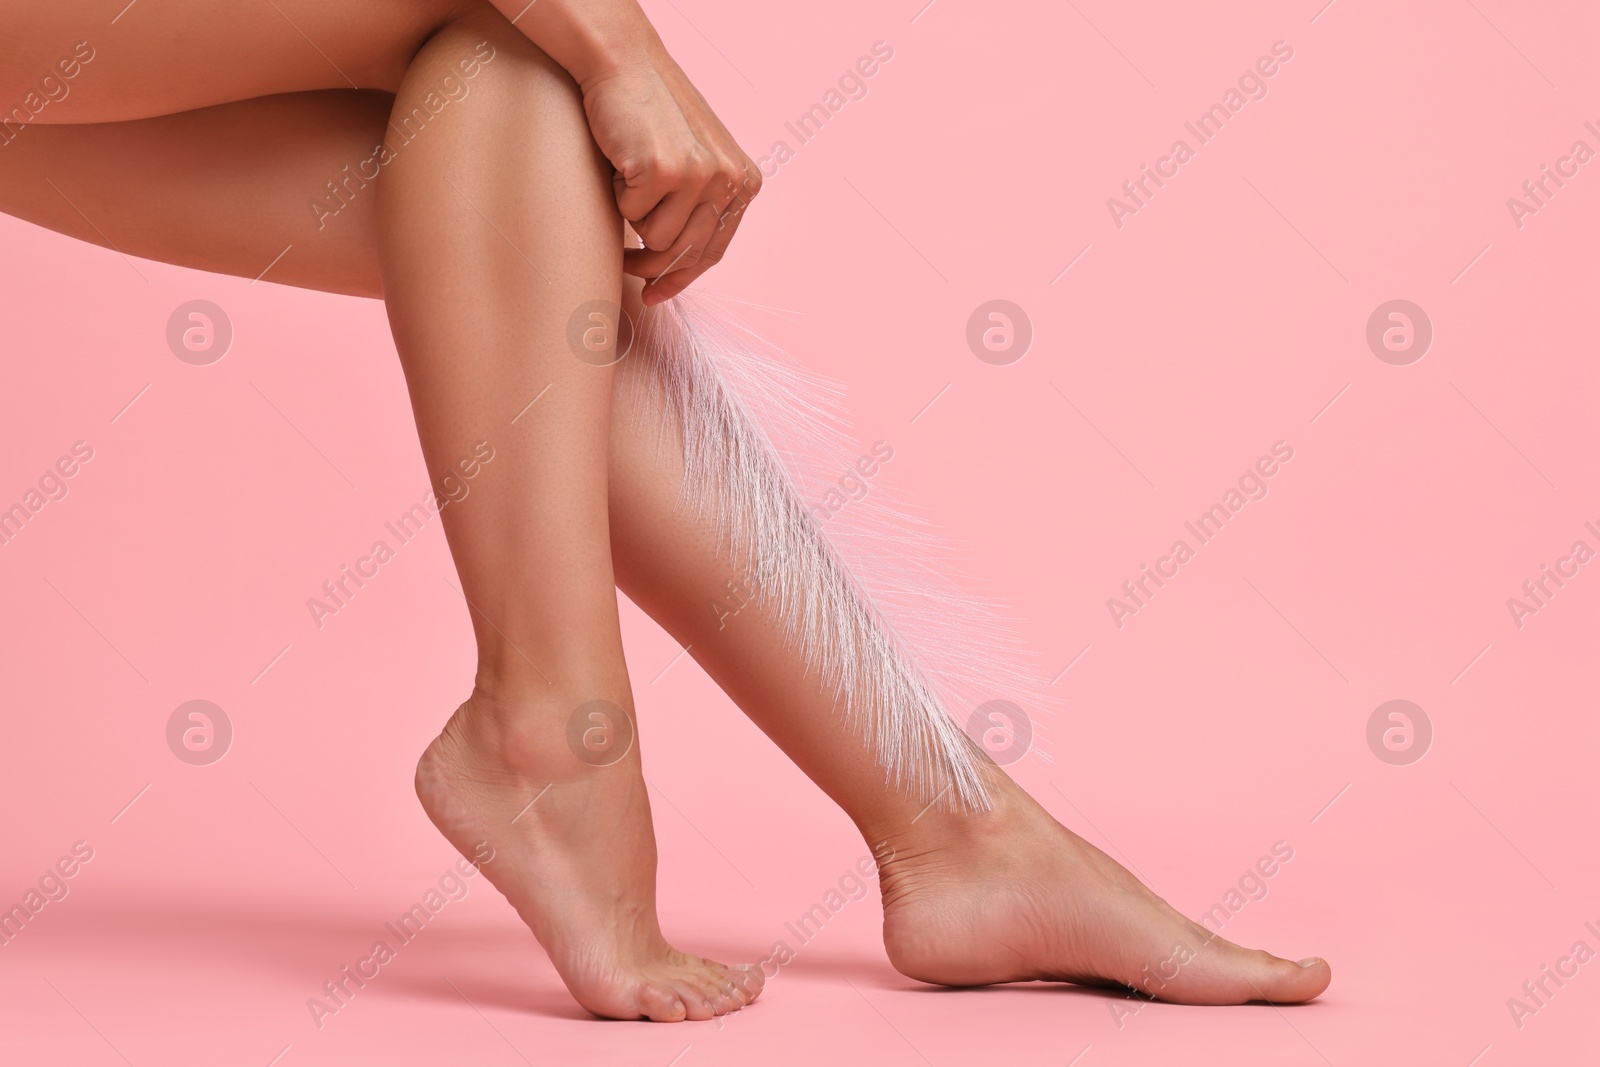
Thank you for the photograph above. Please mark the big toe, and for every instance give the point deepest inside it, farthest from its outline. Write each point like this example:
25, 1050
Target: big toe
1293, 983
743, 982
1262, 976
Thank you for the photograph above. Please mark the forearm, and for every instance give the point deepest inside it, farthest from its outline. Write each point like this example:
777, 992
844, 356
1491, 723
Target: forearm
591, 39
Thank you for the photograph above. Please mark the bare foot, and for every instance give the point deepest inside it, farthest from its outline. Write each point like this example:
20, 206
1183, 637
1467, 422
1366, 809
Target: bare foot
579, 864
1014, 896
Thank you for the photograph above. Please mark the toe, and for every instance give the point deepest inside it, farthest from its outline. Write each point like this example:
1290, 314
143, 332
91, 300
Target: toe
742, 983
697, 996
662, 1004
734, 996
1280, 981
715, 985
1295, 983
749, 980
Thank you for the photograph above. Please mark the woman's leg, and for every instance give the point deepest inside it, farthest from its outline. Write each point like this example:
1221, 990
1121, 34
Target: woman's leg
112, 63
667, 561
469, 179
1003, 895
494, 225
223, 189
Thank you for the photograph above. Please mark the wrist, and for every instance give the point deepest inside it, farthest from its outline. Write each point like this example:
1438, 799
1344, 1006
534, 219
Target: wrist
592, 41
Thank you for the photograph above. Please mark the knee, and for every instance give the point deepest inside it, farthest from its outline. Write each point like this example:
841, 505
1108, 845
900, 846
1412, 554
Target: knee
486, 88
477, 50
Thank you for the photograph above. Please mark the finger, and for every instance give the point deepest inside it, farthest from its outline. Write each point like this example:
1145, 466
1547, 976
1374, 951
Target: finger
663, 227
727, 225
647, 263
640, 192
681, 276
650, 265
668, 273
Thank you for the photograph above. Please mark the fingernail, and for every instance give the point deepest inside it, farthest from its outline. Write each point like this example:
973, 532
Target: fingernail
1310, 961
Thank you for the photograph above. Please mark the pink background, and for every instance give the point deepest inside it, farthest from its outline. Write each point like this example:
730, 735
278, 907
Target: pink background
1224, 316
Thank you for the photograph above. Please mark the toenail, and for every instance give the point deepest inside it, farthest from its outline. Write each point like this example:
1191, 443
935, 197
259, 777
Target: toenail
1311, 961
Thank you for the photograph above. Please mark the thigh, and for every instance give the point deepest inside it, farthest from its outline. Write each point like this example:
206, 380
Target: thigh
77, 61
274, 181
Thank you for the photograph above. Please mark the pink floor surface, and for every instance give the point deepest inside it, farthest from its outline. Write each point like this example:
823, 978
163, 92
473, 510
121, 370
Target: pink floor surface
1175, 339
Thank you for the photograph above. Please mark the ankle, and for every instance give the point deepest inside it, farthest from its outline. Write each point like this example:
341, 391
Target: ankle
549, 731
915, 833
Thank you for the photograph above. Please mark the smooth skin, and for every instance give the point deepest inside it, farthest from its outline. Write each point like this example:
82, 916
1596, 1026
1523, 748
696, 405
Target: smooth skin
580, 497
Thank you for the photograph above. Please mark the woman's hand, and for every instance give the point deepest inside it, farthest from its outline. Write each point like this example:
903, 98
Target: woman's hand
682, 181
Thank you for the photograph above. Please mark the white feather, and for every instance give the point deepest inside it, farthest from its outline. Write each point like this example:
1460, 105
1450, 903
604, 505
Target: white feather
895, 642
